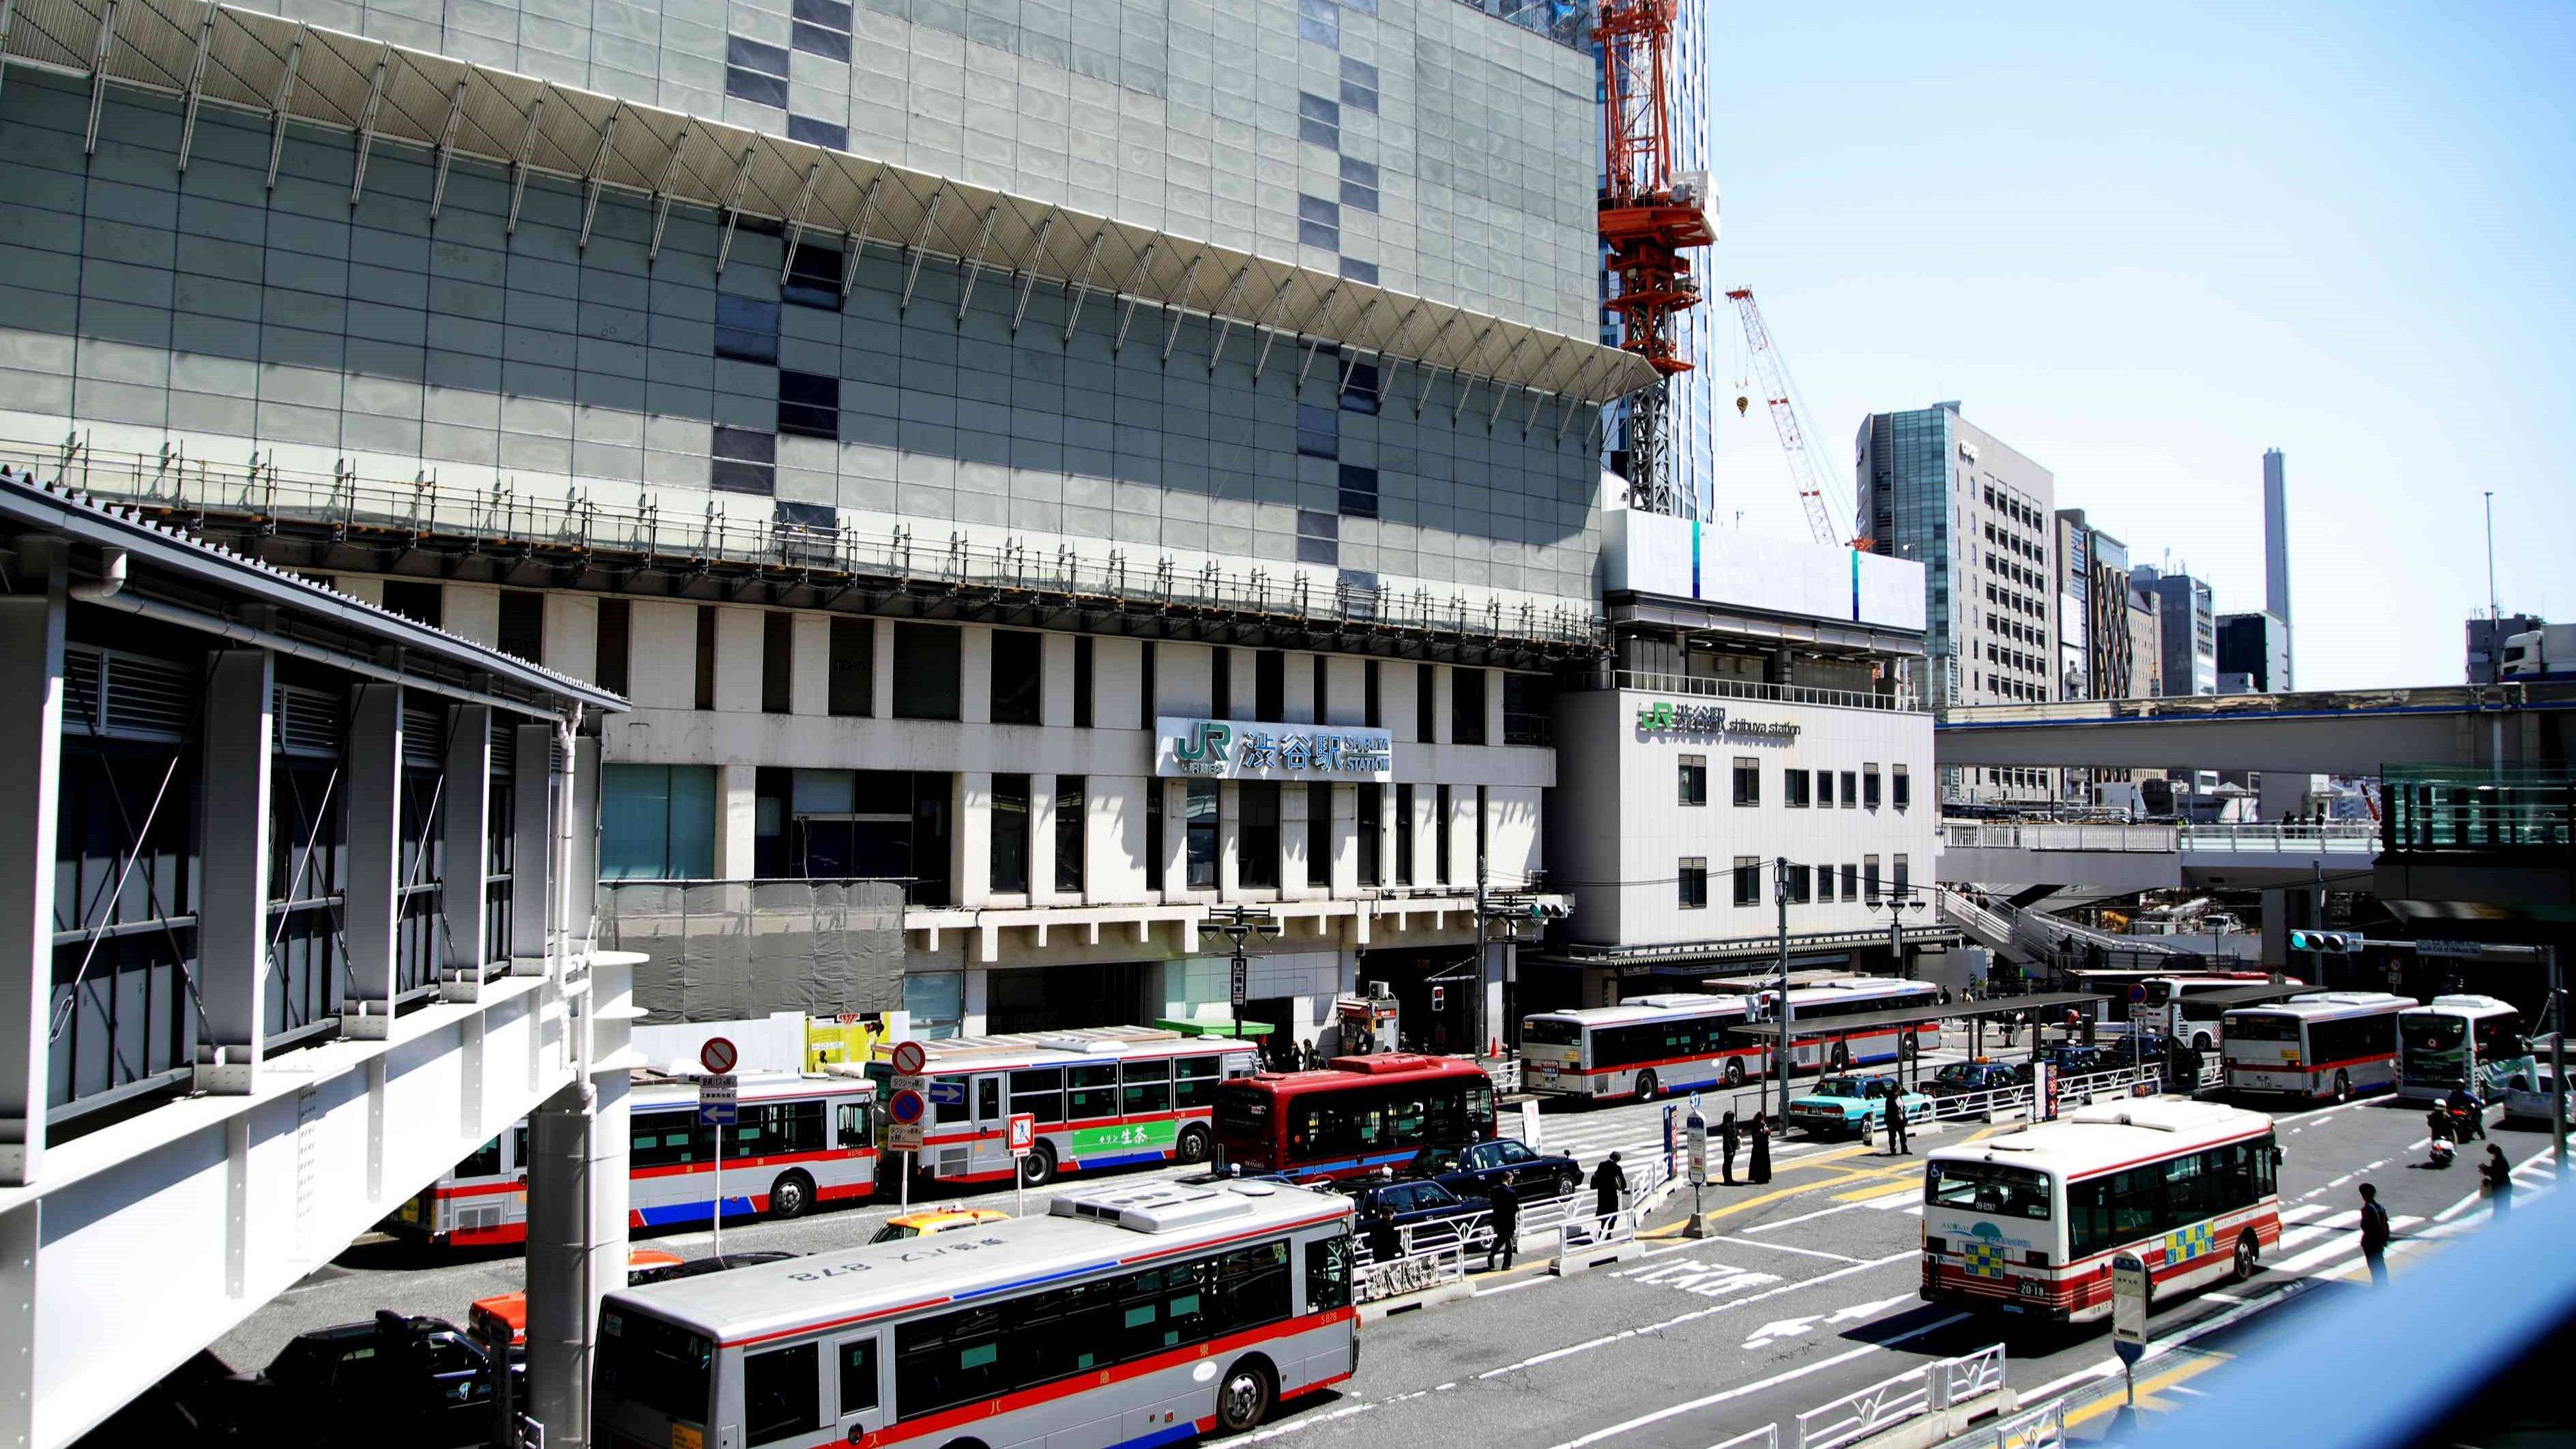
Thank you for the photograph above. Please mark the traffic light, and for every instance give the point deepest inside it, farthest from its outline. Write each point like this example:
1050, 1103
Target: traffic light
2326, 943
1439, 997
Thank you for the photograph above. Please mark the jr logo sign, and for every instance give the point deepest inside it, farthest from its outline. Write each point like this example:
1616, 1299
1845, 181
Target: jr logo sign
1203, 753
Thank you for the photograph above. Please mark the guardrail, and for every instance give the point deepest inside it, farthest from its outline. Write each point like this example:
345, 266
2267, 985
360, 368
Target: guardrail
1506, 1075
2040, 1428
1766, 1437
2037, 835
1709, 688
2334, 837
1933, 1388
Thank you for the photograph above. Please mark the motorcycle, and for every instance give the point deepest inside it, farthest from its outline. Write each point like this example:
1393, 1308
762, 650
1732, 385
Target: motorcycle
2442, 1153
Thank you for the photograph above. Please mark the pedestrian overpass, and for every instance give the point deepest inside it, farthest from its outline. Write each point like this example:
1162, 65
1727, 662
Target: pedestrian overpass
2328, 732
2121, 859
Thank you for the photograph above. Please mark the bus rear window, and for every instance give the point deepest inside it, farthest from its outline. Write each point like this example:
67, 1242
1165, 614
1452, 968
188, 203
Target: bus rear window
1242, 1112
659, 1366
1988, 1187
2266, 1027
1551, 1031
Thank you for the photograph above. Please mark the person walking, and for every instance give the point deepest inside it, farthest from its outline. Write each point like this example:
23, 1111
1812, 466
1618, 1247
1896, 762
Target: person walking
2374, 1235
1609, 1182
1761, 1162
1896, 1127
1507, 1226
1728, 1135
2499, 1179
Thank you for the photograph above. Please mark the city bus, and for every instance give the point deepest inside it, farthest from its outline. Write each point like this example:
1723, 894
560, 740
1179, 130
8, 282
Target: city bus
2476, 1041
1103, 1097
2324, 1044
2171, 1007
2028, 1221
799, 1140
1136, 1314
1354, 1116
1651, 1045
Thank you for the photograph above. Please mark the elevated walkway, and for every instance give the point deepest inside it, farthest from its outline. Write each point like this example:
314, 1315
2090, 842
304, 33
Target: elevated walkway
2103, 859
2341, 732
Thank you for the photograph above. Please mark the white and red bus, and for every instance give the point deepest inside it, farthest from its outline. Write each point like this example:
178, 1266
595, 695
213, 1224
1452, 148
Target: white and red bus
799, 1140
2028, 1222
1355, 1116
2323, 1044
1137, 1314
1103, 1096
2172, 1005
1650, 1045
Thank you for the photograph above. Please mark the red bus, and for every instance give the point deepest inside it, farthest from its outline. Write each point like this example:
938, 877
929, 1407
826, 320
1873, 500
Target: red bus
1353, 1117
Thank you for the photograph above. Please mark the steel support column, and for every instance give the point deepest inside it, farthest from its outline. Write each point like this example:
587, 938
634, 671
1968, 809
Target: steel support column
466, 824
562, 1293
232, 880
532, 845
372, 898
581, 871
31, 671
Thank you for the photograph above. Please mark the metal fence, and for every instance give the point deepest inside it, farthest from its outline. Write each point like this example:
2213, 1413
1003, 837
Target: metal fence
2041, 1428
1717, 688
2332, 837
1933, 1388
2039, 835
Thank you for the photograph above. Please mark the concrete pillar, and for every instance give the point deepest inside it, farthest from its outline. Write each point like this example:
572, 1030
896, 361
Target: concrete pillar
582, 870
976, 1003
737, 820
576, 1244
31, 739
1346, 840
970, 839
232, 881
465, 807
881, 658
372, 897
1042, 837
1229, 839
531, 846
2276, 930
975, 674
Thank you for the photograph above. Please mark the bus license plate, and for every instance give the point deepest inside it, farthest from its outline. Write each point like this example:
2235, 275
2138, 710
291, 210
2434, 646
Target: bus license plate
2030, 1288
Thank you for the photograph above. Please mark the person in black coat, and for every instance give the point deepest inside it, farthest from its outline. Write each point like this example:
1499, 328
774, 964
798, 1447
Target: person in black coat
1609, 1182
1727, 1135
1507, 1225
1761, 1150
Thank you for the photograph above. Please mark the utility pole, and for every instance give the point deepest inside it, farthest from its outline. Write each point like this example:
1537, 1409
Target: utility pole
1781, 1018
2557, 1066
1475, 1047
1239, 924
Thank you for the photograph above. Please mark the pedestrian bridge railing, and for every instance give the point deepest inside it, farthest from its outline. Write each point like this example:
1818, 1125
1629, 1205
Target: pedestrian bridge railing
2333, 837
2041, 1428
1936, 1387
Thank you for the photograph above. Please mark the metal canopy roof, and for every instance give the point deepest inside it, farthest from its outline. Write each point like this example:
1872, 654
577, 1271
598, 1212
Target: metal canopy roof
1832, 1026
384, 93
2251, 995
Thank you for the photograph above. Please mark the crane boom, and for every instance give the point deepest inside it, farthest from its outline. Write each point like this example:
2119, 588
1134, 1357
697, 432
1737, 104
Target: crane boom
1806, 469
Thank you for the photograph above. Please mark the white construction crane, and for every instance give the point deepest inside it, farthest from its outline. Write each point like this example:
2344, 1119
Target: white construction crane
1789, 414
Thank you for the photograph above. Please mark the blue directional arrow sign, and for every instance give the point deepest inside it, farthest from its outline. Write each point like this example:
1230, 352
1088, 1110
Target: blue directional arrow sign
947, 1092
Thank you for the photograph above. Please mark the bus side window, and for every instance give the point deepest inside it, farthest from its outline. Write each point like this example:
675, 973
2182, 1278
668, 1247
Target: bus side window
960, 1110
859, 1378
486, 1161
1480, 1109
853, 1130
519, 1147
1328, 1274
782, 1393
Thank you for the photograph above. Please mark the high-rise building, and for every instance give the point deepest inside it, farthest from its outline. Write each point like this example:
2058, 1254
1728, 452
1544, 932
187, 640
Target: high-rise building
2256, 646
2486, 643
2276, 555
2093, 609
2146, 641
1980, 518
2188, 629
868, 393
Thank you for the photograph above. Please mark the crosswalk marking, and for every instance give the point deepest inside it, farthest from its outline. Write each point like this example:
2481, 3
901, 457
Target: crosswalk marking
2304, 1211
2340, 1247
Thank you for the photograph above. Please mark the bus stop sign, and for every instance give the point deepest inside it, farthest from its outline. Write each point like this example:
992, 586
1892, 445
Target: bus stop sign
2129, 1290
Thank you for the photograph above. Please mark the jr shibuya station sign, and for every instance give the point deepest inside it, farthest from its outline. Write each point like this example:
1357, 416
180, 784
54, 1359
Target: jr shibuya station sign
1666, 717
1232, 750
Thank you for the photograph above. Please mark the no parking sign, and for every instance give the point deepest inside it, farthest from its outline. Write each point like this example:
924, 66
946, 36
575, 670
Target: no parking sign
906, 1109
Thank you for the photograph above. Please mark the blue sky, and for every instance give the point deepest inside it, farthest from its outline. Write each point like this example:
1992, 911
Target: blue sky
2144, 243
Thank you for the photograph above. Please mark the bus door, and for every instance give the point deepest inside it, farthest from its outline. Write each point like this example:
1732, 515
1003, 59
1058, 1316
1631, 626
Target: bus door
992, 1123
860, 1370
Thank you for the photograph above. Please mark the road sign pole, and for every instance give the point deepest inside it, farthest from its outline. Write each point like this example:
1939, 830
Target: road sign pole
715, 1232
2557, 1067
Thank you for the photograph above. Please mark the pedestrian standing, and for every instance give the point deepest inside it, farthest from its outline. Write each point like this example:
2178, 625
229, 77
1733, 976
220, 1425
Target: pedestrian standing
1896, 1127
1609, 1182
1761, 1163
2499, 1180
2374, 1235
1727, 1135
1507, 1226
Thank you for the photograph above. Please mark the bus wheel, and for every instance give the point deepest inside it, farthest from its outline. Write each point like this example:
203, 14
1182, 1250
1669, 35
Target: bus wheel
1647, 1086
1038, 1168
2200, 1042
1842, 1056
2343, 1085
2247, 1251
1193, 1146
790, 1195
1244, 1399
1735, 1071
1907, 1046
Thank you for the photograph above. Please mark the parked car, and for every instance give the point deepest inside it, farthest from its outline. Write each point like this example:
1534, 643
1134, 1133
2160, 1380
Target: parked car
1415, 1211
418, 1381
1966, 1079
1852, 1104
2079, 1061
936, 1220
2528, 1100
505, 1315
1474, 1171
699, 1267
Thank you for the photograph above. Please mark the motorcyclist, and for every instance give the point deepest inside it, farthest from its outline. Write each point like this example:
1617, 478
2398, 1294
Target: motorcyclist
2468, 1112
2437, 1128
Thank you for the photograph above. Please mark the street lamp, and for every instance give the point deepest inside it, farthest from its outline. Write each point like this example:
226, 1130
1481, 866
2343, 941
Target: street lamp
1239, 924
1780, 1018
1896, 903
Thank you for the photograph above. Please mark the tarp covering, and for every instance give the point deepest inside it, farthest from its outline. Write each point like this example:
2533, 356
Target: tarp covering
727, 950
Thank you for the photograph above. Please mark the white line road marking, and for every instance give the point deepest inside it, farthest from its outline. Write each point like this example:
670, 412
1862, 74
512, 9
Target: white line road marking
1307, 1422
1786, 1248
1795, 1327
1803, 1218
1696, 1314
1707, 1280
2303, 1212
1724, 1395
2339, 1248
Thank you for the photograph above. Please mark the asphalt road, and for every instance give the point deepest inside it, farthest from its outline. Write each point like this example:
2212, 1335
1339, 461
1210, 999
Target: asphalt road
1806, 1291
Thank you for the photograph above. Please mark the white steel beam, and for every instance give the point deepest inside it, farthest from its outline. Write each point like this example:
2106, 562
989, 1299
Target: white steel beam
592, 181
920, 247
98, 74
662, 192
1270, 326
196, 73
1189, 283
367, 127
1028, 268
1080, 291
1316, 347
519, 164
1545, 369
975, 263
796, 220
857, 240
733, 206
277, 111
1225, 314
1135, 279
446, 149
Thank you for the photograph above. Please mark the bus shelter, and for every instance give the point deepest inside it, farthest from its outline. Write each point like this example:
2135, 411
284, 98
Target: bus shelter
2039, 1008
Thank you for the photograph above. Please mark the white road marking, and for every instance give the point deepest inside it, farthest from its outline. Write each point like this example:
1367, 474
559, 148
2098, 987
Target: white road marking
1307, 1422
1707, 1280
1803, 1218
1796, 1327
1724, 1395
2339, 1248
1786, 1248
1695, 1315
2303, 1212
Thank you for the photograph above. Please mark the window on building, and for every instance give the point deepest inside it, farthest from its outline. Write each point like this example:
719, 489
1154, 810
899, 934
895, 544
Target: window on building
1358, 491
926, 671
777, 662
657, 822
1748, 779
1319, 431
1425, 703
1145, 686
1694, 882
1793, 789
1748, 880
523, 624
1404, 829
809, 405
1082, 682
743, 460
1220, 683
814, 275
1901, 789
1802, 884
1851, 882
1694, 780
422, 603
1869, 877
1440, 827
1319, 833
1371, 829
1018, 676
1010, 833
1466, 706
1257, 867
1529, 709
746, 328
1371, 713
851, 691
1824, 789
1270, 686
1199, 817
1900, 881
1071, 819
615, 638
706, 658
1153, 831
1851, 789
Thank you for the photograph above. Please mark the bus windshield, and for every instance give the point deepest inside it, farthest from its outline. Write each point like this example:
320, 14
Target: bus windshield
1551, 1031
662, 1366
2434, 1033
1988, 1187
2266, 1026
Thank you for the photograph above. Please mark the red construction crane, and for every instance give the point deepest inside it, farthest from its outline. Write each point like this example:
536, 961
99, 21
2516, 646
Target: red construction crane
1648, 218
1807, 469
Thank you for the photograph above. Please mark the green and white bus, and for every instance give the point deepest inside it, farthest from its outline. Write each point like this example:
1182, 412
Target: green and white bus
2454, 1040
1134, 1315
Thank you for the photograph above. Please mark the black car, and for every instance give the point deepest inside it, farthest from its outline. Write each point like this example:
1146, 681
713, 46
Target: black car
1963, 1079
1473, 1172
413, 1381
2079, 1061
1411, 1214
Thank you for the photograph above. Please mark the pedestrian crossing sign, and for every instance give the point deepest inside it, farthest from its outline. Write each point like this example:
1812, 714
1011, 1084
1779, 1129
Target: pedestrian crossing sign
2185, 1244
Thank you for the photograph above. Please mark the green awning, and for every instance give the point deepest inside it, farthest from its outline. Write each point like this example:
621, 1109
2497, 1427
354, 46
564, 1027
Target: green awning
1194, 1027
